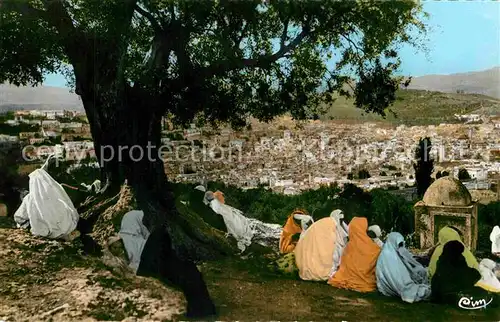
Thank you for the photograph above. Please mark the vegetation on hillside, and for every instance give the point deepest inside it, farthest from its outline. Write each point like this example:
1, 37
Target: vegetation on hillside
16, 129
416, 107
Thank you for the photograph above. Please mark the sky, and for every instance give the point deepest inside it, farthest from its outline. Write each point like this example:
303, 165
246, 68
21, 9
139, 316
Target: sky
464, 36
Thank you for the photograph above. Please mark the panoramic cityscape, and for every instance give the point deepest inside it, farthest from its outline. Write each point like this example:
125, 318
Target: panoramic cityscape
280, 155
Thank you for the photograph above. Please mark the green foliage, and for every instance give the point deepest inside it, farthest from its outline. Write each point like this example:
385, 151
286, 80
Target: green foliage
175, 136
415, 107
463, 174
363, 174
219, 60
488, 217
56, 140
424, 165
389, 211
392, 212
16, 129
10, 180
84, 174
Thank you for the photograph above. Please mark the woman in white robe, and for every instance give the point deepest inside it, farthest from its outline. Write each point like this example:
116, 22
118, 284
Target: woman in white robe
134, 235
495, 241
399, 274
488, 281
341, 241
375, 229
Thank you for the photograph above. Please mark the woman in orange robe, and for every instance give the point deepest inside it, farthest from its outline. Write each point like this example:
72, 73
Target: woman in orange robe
357, 266
291, 228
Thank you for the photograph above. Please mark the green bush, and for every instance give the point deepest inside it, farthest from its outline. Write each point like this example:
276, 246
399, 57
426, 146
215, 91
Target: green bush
390, 212
488, 217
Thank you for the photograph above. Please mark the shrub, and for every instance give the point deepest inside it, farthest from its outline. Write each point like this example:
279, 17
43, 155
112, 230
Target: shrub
488, 217
390, 212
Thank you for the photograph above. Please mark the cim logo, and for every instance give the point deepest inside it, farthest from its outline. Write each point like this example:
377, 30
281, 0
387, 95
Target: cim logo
471, 304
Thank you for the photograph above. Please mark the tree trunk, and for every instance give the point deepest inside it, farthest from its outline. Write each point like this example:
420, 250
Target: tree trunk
127, 140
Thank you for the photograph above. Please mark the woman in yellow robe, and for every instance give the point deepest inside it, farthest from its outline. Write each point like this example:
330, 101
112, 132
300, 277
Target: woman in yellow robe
314, 251
445, 235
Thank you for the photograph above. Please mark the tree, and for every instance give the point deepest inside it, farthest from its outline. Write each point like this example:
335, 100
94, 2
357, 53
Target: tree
424, 165
10, 180
350, 176
134, 61
407, 82
463, 174
363, 174
383, 174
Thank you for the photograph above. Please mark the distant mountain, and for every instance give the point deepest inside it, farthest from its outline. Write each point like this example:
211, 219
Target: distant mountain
486, 82
39, 98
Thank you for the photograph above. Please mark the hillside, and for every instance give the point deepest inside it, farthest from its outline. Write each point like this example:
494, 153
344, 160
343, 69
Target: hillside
413, 107
418, 107
486, 82
40, 98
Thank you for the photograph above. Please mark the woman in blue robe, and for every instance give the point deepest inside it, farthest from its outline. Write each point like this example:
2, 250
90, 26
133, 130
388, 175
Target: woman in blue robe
399, 274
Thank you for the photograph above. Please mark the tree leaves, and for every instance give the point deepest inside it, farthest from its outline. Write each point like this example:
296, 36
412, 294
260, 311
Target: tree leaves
221, 61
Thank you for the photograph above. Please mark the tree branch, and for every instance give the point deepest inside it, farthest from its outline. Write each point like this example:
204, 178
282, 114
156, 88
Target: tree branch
22, 7
285, 33
243, 32
152, 20
352, 43
263, 61
72, 39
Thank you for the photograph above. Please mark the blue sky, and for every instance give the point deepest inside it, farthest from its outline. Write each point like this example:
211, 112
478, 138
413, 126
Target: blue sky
464, 36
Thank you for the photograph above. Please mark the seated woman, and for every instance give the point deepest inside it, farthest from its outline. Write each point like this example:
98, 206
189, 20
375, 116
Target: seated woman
341, 240
152, 255
357, 266
219, 195
314, 253
292, 228
488, 281
447, 234
454, 279
375, 232
290, 235
495, 241
399, 274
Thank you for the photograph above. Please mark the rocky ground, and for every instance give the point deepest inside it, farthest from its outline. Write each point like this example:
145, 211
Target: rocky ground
43, 280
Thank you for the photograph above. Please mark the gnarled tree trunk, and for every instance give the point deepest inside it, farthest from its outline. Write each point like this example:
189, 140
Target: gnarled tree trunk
127, 142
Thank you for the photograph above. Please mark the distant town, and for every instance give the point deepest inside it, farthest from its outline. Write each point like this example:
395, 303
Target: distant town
284, 156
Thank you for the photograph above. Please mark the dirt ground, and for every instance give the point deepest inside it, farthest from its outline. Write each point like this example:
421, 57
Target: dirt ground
42, 280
